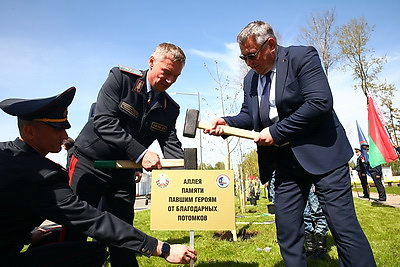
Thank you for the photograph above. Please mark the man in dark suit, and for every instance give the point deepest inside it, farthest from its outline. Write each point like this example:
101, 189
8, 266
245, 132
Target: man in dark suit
287, 98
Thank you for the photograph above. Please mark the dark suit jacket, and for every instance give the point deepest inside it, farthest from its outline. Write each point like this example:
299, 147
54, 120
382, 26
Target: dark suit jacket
306, 116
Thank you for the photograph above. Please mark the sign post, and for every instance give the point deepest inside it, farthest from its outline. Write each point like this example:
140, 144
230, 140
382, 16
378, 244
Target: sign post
192, 200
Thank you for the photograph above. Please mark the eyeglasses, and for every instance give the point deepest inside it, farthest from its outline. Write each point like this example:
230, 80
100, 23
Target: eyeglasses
252, 55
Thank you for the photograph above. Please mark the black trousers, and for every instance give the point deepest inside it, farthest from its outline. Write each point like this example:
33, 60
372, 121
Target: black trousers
364, 183
112, 190
377, 178
333, 189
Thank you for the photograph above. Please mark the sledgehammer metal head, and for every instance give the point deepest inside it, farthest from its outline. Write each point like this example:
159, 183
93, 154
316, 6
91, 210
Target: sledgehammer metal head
191, 120
192, 123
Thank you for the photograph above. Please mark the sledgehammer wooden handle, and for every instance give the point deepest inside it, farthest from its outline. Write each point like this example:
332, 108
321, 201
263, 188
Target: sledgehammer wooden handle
127, 164
229, 130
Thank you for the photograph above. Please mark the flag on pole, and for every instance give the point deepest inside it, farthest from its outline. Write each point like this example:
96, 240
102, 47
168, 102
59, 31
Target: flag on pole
363, 142
381, 149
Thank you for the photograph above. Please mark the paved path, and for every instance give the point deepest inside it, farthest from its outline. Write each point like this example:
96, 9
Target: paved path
391, 199
140, 204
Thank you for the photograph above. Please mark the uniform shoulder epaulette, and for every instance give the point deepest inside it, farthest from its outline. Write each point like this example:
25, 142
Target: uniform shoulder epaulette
130, 70
169, 98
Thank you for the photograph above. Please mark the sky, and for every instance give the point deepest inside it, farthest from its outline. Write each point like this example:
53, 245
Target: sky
49, 46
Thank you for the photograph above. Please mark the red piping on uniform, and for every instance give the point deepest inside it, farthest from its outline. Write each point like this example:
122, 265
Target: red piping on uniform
71, 170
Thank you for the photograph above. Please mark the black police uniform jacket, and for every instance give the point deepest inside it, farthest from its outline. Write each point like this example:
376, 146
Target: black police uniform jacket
361, 166
125, 122
34, 188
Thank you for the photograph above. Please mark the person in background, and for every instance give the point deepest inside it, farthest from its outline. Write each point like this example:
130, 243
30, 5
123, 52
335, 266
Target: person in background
376, 175
361, 168
132, 111
68, 144
397, 148
316, 228
270, 188
287, 99
34, 188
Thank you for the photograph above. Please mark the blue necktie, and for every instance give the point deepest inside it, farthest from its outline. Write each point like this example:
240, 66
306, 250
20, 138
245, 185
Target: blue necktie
264, 102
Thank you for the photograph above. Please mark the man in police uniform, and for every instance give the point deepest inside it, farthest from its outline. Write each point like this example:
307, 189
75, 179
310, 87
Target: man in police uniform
315, 227
33, 189
361, 169
132, 111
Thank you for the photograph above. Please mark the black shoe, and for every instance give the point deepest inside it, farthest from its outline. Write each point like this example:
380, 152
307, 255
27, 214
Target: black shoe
320, 248
309, 244
365, 196
382, 199
318, 255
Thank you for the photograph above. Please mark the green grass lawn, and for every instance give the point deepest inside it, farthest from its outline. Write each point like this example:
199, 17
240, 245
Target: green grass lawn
388, 189
380, 224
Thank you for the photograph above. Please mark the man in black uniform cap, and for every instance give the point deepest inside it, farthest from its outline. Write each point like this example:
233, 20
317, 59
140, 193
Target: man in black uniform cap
361, 169
132, 111
33, 189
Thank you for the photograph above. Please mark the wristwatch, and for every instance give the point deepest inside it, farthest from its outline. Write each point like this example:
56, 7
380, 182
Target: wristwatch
165, 250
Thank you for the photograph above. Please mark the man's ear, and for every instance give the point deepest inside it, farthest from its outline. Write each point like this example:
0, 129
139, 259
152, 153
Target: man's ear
29, 132
151, 62
272, 43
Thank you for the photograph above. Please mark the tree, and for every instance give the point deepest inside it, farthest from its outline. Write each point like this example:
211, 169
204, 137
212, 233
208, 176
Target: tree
385, 93
249, 164
320, 34
204, 166
352, 39
218, 166
228, 97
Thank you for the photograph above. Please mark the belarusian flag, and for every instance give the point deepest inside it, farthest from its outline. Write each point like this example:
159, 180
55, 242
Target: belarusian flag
363, 142
381, 149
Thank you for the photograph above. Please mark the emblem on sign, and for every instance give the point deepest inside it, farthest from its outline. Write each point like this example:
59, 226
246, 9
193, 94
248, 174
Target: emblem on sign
162, 181
223, 181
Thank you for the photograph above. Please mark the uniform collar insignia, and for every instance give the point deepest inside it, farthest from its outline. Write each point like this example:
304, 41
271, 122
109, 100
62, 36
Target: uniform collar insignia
138, 86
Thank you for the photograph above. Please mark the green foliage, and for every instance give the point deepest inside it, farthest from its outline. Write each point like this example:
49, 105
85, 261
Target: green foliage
218, 166
395, 167
249, 164
352, 164
352, 40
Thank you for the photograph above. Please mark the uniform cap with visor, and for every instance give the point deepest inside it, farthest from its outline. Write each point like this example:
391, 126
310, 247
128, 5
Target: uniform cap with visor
50, 110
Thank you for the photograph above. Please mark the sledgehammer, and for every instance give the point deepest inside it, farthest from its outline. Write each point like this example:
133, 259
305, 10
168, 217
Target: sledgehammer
192, 123
188, 162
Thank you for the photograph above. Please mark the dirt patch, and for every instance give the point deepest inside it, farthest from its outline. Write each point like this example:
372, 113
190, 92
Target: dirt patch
252, 211
242, 234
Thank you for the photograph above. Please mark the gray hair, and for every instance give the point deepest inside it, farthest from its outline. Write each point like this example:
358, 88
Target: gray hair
258, 29
170, 51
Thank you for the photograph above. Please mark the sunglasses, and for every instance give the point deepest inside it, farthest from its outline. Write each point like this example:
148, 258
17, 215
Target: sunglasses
252, 55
